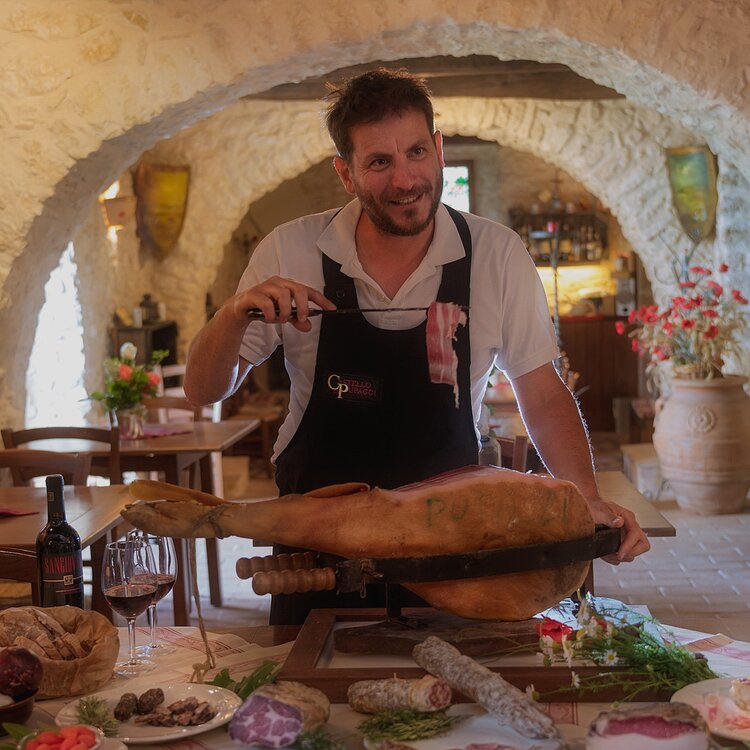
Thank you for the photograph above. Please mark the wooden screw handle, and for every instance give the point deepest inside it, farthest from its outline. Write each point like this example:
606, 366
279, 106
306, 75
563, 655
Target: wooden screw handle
247, 567
293, 581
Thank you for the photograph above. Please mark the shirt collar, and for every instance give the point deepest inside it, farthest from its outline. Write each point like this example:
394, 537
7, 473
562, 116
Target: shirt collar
337, 241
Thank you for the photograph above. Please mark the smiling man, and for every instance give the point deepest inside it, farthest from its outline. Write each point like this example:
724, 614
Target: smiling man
362, 405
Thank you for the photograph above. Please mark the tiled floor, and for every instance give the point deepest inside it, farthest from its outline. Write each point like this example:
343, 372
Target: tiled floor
699, 579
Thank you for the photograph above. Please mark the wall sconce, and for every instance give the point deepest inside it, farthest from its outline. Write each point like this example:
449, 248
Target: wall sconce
118, 211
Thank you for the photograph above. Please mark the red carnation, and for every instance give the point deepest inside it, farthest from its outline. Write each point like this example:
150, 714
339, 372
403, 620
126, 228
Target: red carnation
553, 629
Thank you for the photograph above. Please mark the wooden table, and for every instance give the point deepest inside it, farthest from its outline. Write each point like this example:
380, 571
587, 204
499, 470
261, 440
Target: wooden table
172, 454
92, 511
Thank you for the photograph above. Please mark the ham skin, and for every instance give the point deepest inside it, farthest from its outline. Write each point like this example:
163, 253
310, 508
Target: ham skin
443, 318
472, 509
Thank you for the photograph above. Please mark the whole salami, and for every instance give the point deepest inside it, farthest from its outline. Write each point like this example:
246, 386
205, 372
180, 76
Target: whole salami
426, 694
503, 700
274, 715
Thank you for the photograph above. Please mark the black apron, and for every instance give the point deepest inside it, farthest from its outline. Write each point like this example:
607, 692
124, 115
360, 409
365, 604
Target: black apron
375, 417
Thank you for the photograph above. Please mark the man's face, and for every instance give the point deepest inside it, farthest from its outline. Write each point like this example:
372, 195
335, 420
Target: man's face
396, 171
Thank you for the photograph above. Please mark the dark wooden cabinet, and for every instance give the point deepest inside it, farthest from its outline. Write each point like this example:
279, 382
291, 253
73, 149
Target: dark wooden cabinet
607, 365
147, 338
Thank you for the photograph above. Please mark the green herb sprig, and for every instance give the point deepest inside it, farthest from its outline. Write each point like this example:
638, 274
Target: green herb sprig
263, 674
96, 713
317, 739
407, 724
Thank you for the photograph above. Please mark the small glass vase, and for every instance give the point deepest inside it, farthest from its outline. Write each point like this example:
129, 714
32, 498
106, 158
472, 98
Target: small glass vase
130, 422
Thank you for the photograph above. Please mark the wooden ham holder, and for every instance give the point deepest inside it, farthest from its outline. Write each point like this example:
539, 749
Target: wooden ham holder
316, 636
397, 632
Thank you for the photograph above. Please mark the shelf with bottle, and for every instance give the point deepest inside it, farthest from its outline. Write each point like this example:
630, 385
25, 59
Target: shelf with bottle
579, 237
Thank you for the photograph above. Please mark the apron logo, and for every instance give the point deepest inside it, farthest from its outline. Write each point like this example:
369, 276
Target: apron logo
353, 387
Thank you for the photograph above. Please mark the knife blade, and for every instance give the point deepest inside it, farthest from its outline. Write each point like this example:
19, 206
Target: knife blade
259, 315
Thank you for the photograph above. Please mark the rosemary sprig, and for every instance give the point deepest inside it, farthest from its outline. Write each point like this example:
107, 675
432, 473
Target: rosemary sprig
317, 739
406, 724
96, 713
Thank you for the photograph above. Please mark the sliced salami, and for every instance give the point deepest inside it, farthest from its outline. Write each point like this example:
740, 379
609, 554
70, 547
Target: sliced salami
506, 702
426, 694
274, 715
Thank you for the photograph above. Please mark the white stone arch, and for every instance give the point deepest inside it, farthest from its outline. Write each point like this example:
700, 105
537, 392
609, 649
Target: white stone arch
88, 87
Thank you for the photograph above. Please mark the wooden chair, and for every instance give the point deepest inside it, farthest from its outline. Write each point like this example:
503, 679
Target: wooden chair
109, 466
172, 372
513, 452
163, 407
21, 565
25, 464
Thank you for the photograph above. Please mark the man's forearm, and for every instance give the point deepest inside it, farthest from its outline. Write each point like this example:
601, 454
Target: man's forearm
213, 367
555, 426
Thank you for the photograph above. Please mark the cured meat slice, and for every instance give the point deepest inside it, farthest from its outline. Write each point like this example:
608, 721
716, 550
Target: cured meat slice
481, 507
274, 715
673, 726
426, 694
443, 318
505, 702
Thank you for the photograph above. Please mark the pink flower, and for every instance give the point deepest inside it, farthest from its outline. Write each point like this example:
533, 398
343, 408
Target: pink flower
634, 345
620, 327
736, 294
124, 371
153, 378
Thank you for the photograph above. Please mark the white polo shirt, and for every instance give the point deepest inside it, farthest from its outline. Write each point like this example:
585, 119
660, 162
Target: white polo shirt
510, 325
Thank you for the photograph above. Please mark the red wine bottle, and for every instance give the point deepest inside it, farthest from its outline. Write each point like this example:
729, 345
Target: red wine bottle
58, 552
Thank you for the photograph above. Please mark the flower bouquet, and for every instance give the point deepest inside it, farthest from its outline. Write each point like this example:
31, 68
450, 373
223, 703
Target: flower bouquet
652, 658
126, 384
695, 331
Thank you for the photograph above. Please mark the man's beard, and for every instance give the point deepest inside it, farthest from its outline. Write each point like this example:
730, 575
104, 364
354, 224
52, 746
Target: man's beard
378, 215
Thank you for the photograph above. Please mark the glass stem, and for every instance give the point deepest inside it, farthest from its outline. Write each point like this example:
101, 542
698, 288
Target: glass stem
131, 640
152, 618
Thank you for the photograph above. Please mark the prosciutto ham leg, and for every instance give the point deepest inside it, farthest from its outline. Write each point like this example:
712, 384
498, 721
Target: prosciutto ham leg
443, 318
464, 511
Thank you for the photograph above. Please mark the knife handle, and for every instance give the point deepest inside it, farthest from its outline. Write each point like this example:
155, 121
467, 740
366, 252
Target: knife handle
247, 567
294, 581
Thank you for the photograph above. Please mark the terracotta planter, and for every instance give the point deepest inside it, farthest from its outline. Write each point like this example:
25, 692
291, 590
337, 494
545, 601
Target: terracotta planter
702, 439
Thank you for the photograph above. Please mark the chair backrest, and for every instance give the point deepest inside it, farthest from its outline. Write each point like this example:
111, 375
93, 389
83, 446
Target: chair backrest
25, 464
164, 406
172, 373
513, 452
109, 467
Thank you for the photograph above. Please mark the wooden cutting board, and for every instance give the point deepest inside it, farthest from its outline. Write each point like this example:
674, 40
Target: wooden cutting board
471, 637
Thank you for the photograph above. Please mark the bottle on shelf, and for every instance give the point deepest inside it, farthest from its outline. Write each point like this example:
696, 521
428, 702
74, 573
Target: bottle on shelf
58, 551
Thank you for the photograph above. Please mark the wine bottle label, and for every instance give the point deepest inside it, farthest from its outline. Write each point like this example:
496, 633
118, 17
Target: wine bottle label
62, 577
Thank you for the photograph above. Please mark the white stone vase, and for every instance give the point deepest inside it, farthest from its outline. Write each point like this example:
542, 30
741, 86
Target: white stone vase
702, 440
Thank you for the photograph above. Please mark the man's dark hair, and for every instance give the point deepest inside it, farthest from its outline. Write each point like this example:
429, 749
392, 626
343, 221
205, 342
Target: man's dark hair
373, 96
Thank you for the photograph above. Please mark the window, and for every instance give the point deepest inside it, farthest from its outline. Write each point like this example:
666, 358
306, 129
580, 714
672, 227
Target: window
457, 185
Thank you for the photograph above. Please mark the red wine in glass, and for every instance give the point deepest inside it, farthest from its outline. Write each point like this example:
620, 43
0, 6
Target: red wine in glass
164, 584
130, 600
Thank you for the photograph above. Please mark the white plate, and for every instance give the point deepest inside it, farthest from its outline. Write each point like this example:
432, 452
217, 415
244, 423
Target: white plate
723, 716
478, 728
224, 702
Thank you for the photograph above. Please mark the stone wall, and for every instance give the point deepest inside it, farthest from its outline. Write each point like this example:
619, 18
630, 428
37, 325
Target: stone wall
89, 85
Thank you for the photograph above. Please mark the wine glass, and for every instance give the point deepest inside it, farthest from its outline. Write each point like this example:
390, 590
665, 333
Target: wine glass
129, 586
165, 562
